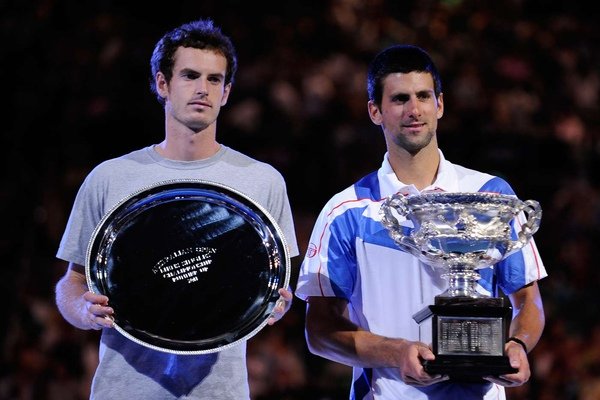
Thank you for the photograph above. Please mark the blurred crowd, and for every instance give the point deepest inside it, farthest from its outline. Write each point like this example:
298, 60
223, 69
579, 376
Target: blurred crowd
521, 84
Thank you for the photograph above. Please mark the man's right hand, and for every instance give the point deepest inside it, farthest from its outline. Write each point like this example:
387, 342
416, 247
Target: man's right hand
411, 370
99, 314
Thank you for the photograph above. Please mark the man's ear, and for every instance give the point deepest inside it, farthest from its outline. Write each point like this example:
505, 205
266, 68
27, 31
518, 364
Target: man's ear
374, 112
226, 91
162, 86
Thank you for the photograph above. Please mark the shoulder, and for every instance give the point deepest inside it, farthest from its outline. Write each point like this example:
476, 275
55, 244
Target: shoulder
134, 156
474, 180
469, 173
232, 155
107, 169
237, 159
368, 187
347, 203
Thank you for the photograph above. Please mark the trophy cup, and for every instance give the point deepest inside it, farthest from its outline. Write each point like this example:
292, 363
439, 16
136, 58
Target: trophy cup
461, 233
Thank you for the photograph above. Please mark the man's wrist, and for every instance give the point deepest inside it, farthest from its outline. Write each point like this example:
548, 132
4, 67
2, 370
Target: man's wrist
519, 341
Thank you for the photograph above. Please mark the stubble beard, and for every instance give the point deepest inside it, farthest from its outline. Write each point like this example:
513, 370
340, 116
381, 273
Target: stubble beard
413, 144
195, 123
198, 127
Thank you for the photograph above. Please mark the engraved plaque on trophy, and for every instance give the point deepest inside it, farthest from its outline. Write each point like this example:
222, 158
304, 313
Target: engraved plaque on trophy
462, 233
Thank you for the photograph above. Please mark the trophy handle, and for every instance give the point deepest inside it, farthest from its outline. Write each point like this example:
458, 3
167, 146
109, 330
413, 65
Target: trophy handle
398, 203
533, 216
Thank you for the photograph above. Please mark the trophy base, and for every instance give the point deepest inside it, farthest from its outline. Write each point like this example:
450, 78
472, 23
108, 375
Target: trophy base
469, 368
469, 335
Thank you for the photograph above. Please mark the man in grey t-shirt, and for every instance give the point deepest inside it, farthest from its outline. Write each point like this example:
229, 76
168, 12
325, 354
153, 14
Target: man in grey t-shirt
192, 69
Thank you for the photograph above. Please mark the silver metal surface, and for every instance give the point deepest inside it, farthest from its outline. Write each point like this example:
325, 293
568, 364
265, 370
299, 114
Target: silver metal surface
189, 266
460, 232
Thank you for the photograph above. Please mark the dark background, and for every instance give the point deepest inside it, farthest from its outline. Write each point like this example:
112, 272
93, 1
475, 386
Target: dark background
521, 83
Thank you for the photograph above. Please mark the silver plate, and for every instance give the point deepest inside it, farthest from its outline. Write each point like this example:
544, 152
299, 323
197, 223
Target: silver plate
189, 266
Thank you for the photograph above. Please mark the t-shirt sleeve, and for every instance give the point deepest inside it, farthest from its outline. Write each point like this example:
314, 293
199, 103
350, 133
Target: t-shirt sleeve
329, 266
279, 208
85, 214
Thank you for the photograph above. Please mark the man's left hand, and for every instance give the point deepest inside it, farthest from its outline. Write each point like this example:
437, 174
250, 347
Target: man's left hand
282, 306
518, 359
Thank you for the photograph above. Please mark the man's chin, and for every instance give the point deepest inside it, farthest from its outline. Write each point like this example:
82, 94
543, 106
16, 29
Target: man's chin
198, 128
415, 146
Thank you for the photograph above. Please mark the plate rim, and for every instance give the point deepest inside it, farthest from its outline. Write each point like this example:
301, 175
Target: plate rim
285, 258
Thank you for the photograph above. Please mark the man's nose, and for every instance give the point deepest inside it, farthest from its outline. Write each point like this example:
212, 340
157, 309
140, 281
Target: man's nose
202, 87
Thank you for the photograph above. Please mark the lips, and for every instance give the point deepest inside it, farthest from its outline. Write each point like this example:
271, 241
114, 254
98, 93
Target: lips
414, 125
200, 103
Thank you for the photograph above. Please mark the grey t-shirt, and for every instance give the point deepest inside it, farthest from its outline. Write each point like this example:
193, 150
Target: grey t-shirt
129, 370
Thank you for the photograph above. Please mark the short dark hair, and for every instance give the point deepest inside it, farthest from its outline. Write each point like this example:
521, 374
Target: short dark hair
200, 34
399, 58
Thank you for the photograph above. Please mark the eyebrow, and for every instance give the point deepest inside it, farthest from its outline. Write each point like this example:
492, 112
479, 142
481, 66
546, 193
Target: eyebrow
426, 91
420, 93
193, 71
188, 70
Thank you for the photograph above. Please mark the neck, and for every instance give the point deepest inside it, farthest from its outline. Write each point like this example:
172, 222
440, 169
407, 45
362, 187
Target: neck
188, 146
418, 169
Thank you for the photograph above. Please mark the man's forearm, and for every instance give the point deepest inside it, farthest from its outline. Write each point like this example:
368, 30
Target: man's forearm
529, 319
356, 348
330, 334
69, 299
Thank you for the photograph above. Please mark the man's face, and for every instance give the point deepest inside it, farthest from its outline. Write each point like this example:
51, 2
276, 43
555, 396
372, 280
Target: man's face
197, 90
409, 110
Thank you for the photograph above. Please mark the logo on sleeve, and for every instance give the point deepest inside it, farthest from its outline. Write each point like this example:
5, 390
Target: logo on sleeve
311, 251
